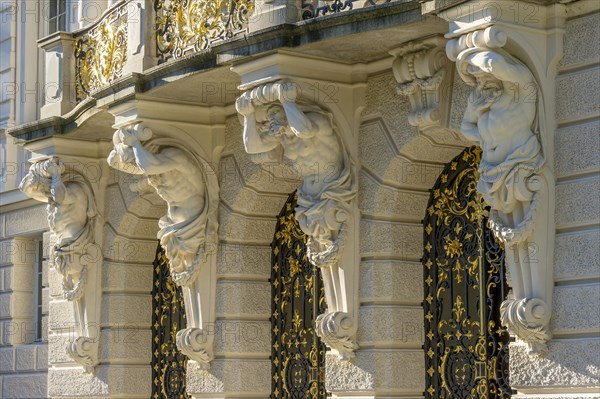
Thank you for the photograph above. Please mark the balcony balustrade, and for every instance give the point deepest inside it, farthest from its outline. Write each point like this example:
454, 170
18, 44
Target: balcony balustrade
134, 35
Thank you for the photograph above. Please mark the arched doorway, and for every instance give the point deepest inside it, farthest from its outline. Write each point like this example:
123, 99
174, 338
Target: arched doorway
297, 298
466, 348
168, 317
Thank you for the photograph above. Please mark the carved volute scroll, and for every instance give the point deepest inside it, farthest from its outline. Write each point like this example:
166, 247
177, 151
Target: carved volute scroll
188, 232
422, 71
71, 217
505, 117
278, 125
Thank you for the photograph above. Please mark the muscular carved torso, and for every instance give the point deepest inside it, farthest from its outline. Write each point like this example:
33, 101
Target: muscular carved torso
184, 198
68, 218
316, 158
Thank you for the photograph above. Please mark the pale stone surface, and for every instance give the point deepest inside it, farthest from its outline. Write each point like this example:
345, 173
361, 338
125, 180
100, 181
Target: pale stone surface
26, 221
581, 38
238, 259
577, 95
75, 382
41, 357
61, 315
376, 199
393, 371
243, 337
130, 309
231, 375
117, 248
379, 156
240, 228
390, 325
56, 348
576, 309
578, 203
393, 239
7, 359
25, 357
568, 363
122, 344
127, 277
245, 199
243, 298
577, 255
391, 281
576, 149
459, 95
382, 100
26, 386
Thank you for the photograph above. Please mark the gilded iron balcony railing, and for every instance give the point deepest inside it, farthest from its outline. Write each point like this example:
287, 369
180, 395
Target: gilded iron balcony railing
315, 8
188, 26
101, 52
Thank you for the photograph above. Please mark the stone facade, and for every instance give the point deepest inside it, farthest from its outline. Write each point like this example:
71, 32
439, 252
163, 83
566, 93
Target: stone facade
398, 118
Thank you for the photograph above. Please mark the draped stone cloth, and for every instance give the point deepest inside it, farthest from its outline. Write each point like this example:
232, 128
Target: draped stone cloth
180, 239
319, 216
505, 184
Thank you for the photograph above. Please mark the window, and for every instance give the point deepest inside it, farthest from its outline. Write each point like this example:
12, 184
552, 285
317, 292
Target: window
57, 16
6, 19
39, 316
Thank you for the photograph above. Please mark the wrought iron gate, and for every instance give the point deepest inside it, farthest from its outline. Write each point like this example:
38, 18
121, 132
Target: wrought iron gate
297, 298
168, 316
466, 348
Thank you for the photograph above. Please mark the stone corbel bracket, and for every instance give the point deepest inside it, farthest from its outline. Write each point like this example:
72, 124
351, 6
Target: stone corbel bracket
423, 73
188, 232
506, 116
306, 133
72, 218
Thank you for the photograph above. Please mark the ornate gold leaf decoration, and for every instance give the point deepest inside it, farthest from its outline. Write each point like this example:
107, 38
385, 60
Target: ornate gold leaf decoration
101, 53
168, 316
466, 350
298, 296
184, 26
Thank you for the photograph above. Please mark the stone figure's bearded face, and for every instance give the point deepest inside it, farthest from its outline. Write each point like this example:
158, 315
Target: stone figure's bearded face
488, 89
276, 122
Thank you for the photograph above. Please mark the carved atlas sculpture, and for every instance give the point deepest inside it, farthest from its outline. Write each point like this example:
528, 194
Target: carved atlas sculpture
71, 214
278, 126
504, 116
188, 232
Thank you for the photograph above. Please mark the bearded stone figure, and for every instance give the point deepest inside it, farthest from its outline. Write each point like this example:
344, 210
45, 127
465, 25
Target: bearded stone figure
502, 118
188, 230
277, 127
71, 212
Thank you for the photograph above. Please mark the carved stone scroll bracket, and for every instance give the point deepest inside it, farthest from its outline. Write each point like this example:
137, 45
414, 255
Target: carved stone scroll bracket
424, 74
280, 123
188, 232
505, 115
72, 214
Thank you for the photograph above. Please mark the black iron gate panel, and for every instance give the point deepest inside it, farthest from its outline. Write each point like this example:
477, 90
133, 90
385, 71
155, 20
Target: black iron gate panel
297, 298
168, 317
466, 349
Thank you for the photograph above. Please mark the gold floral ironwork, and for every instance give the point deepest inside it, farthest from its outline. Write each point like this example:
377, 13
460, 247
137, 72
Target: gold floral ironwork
466, 351
168, 316
298, 296
101, 53
184, 26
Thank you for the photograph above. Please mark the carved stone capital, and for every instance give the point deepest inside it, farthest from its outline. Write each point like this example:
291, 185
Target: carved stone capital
423, 71
195, 344
338, 331
280, 124
84, 351
188, 232
72, 217
505, 116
